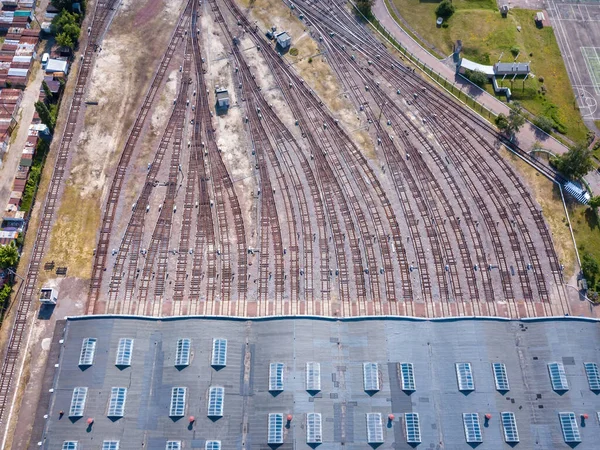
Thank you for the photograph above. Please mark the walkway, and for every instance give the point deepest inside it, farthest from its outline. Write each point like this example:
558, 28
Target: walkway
526, 137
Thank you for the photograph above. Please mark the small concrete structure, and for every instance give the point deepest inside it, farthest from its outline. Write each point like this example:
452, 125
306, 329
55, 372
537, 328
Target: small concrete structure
498, 71
284, 41
539, 19
514, 68
222, 98
466, 64
48, 296
57, 65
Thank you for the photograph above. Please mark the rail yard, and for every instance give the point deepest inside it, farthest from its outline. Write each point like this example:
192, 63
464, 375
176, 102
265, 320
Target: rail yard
260, 197
434, 224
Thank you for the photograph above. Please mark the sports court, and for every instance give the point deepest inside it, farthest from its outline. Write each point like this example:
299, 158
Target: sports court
592, 61
577, 29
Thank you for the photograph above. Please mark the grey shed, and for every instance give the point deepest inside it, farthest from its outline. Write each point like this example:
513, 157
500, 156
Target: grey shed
222, 98
284, 40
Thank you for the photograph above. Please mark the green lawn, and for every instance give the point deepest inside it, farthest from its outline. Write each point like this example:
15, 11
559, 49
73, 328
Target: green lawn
586, 229
486, 35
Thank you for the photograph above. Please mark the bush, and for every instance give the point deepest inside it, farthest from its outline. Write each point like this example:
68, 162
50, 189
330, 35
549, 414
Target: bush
515, 50
364, 6
477, 77
65, 27
5, 296
445, 9
544, 123
575, 163
501, 122
594, 202
294, 51
590, 269
34, 175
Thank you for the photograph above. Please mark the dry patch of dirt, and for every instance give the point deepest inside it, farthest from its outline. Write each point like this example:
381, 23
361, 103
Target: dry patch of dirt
547, 195
311, 66
74, 232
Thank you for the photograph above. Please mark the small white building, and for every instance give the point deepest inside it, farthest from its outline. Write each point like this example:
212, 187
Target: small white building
222, 98
466, 64
48, 296
284, 41
57, 65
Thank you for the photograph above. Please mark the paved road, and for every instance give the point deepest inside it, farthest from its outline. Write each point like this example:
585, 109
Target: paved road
525, 138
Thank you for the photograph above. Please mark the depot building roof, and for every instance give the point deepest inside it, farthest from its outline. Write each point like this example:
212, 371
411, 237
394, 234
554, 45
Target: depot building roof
217, 383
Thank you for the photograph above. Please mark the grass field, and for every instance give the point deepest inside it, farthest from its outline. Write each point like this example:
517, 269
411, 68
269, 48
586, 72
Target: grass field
586, 229
486, 35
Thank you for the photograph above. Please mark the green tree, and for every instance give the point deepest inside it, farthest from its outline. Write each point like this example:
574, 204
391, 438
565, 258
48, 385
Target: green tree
590, 268
48, 92
66, 28
73, 30
67, 5
61, 19
445, 9
364, 6
575, 163
501, 122
515, 119
62, 4
64, 40
544, 123
477, 77
45, 115
9, 256
5, 296
594, 202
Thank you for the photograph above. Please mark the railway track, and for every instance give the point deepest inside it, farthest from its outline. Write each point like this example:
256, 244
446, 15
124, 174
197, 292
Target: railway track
223, 191
114, 192
155, 262
131, 243
341, 249
100, 19
406, 74
284, 141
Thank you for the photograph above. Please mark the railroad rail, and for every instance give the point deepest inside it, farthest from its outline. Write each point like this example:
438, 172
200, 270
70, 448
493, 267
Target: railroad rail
114, 192
402, 76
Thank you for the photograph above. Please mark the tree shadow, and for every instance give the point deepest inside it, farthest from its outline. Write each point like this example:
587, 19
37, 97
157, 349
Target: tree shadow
591, 219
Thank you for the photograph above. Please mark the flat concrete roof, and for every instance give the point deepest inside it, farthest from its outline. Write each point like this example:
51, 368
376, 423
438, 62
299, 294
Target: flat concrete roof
341, 347
511, 68
472, 65
57, 65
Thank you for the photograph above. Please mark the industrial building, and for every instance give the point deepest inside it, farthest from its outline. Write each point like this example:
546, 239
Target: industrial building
226, 383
